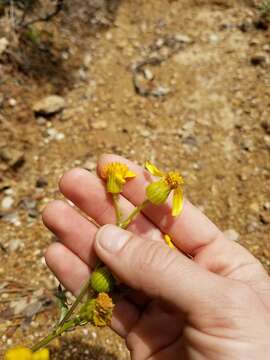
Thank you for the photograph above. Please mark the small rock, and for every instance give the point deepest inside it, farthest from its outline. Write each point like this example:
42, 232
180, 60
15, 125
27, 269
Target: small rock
19, 306
213, 38
13, 157
12, 218
90, 165
231, 234
265, 217
183, 38
99, 125
266, 125
49, 105
258, 59
41, 120
12, 102
7, 202
87, 60
14, 245
266, 205
3, 45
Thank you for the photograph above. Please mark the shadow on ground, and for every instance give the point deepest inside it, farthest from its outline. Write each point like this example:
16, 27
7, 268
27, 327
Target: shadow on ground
76, 349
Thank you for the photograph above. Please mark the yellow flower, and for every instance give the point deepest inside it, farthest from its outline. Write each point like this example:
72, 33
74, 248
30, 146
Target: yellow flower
168, 241
116, 175
158, 191
22, 353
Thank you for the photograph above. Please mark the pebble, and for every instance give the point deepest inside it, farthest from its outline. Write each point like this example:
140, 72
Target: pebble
12, 102
266, 205
99, 125
13, 157
213, 38
12, 218
14, 245
183, 38
231, 234
7, 202
40, 120
55, 135
3, 45
49, 105
265, 217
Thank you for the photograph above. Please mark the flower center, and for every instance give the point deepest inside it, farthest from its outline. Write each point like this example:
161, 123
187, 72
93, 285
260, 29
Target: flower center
174, 179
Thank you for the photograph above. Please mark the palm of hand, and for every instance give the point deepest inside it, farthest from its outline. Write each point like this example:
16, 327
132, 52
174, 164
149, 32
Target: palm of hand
155, 329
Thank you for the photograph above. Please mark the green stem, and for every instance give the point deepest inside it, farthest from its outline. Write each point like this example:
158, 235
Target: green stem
79, 298
67, 326
118, 212
124, 224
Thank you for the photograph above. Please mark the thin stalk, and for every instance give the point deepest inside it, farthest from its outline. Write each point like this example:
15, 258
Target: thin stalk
124, 224
118, 212
67, 326
79, 298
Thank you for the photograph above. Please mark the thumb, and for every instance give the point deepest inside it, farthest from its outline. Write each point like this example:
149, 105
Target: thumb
158, 271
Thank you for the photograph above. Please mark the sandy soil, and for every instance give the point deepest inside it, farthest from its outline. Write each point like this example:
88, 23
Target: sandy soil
201, 106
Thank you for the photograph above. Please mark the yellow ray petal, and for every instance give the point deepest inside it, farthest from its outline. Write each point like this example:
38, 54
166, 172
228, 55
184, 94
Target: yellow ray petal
153, 169
168, 241
130, 174
178, 200
18, 353
42, 354
157, 192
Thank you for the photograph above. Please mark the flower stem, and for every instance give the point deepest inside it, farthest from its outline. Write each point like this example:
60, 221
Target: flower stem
67, 326
124, 224
79, 298
118, 212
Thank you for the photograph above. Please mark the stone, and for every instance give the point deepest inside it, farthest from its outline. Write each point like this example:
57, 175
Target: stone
7, 202
231, 234
13, 157
3, 45
49, 105
12, 102
183, 38
14, 245
265, 217
99, 125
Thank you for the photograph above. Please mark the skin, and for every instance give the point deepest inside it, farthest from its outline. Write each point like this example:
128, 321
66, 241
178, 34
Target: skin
213, 306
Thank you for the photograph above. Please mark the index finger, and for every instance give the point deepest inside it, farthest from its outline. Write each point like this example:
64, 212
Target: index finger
190, 231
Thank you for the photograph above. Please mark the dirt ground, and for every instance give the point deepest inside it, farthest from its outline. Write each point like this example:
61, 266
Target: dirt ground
183, 83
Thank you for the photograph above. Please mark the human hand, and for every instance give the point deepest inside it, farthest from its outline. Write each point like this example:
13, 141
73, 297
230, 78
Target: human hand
215, 306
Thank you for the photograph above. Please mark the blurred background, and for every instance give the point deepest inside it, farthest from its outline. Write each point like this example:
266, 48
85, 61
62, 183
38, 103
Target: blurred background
183, 83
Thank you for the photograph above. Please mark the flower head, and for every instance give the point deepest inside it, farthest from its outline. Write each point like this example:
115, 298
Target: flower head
22, 353
116, 175
97, 311
158, 191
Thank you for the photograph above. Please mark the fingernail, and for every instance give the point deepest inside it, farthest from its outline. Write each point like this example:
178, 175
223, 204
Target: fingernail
111, 238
